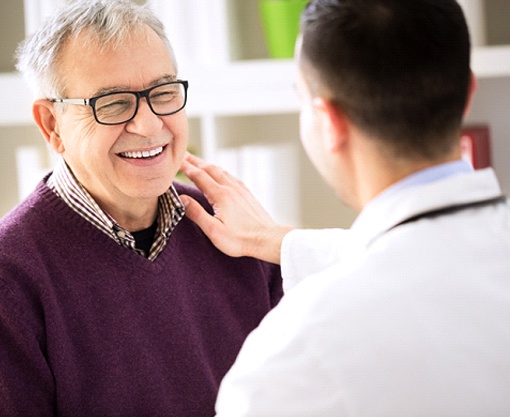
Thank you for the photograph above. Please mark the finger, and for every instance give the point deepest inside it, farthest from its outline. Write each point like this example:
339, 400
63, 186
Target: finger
201, 178
208, 177
197, 214
190, 160
213, 170
216, 172
212, 227
193, 159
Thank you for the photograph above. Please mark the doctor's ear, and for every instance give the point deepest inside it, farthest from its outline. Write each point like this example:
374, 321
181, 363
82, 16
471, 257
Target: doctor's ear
44, 113
473, 85
335, 125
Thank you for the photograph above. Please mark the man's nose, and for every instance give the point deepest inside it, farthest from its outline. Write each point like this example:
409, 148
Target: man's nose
145, 122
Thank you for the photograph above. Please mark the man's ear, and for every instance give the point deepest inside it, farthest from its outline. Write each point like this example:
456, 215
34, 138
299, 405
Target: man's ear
335, 123
45, 119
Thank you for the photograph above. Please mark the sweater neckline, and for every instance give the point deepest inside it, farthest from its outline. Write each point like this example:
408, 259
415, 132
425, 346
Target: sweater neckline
64, 217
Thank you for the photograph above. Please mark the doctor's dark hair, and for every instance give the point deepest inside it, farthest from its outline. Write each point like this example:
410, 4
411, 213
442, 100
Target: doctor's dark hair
398, 68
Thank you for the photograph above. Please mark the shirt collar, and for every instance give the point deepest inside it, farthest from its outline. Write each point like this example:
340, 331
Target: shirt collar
170, 210
427, 175
429, 189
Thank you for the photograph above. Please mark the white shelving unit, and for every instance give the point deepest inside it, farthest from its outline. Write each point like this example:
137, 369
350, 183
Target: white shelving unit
243, 109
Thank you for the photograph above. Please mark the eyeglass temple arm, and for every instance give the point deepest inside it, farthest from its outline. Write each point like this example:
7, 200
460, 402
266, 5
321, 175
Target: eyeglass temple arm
85, 101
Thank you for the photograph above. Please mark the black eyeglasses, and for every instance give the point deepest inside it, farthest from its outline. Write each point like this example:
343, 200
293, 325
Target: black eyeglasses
121, 106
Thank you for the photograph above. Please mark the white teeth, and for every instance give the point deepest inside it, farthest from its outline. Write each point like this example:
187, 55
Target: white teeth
142, 154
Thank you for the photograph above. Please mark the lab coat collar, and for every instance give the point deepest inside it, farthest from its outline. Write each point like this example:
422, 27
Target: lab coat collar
387, 211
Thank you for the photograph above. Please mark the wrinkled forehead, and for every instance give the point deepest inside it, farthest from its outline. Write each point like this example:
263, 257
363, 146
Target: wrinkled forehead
105, 41
89, 62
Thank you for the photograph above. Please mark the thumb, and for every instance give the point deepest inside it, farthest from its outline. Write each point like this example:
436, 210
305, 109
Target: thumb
196, 213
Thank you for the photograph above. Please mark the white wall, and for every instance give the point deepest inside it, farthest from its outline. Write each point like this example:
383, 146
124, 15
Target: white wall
491, 105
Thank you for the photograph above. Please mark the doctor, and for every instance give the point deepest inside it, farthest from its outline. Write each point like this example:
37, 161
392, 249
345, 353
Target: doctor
408, 312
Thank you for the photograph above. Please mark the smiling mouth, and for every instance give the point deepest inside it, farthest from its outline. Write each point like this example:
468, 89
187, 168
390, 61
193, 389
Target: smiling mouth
142, 154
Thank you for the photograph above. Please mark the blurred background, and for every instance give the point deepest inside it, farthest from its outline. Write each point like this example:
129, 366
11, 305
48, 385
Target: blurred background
242, 108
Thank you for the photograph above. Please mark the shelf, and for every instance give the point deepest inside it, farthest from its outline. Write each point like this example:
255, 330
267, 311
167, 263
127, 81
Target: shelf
15, 101
251, 87
243, 87
244, 107
491, 61
239, 88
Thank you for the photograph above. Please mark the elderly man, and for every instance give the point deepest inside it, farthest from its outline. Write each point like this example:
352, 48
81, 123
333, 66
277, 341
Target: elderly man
408, 312
111, 302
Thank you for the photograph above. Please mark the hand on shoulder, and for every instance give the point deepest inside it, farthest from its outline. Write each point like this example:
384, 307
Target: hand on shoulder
240, 225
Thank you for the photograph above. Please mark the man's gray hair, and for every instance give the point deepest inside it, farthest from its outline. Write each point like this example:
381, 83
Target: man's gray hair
108, 23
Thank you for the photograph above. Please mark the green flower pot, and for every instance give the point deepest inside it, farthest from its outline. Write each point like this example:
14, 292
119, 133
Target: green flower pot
280, 21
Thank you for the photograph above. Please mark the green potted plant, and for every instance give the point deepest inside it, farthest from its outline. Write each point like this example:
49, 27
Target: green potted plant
280, 22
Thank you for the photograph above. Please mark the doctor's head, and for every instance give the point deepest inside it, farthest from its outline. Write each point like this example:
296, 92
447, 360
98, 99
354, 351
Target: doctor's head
398, 70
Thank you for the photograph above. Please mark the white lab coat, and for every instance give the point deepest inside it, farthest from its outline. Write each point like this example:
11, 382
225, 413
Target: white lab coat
403, 321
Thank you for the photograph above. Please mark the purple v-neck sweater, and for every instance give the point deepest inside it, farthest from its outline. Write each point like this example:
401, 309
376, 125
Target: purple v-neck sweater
90, 328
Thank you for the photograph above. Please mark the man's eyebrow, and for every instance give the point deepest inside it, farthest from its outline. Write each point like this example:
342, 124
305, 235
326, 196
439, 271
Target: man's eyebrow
120, 88
165, 79
107, 90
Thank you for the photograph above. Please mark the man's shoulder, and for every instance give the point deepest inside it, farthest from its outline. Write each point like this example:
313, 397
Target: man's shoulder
192, 191
39, 209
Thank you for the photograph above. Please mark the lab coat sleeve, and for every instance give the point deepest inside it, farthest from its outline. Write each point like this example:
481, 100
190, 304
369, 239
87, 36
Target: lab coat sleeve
306, 252
280, 370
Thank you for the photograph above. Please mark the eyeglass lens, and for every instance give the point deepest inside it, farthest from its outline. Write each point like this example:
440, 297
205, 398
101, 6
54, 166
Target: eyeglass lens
120, 107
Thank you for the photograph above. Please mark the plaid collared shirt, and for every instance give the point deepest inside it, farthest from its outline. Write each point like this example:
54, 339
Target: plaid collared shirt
170, 211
